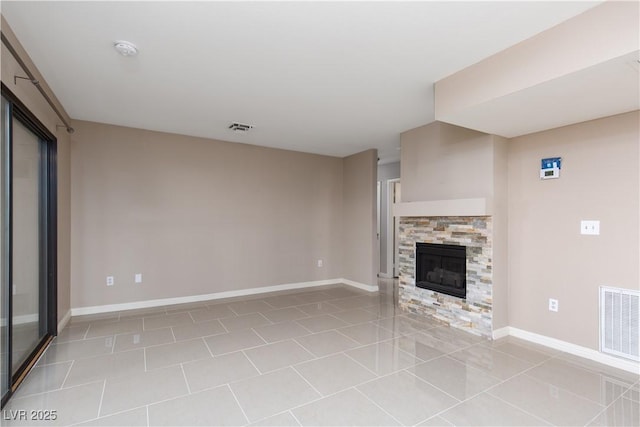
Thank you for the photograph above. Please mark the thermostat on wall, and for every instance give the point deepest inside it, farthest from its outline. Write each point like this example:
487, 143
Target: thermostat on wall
550, 168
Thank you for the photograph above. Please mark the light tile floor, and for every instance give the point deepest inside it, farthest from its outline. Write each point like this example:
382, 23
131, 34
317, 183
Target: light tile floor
323, 356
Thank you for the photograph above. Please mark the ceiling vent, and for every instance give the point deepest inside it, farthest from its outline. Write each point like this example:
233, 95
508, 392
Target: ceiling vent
240, 127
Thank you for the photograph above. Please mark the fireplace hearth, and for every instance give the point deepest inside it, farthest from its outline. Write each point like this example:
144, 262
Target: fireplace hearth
442, 268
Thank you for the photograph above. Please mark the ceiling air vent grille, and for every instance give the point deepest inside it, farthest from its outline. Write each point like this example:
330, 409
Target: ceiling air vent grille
240, 127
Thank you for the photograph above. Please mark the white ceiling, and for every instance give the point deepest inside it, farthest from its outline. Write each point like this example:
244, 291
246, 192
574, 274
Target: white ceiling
320, 77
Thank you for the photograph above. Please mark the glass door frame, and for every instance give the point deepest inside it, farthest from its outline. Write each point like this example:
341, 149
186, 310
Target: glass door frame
48, 236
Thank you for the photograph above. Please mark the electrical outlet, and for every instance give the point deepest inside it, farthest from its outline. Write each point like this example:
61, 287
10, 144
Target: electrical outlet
553, 304
109, 280
590, 227
138, 278
320, 263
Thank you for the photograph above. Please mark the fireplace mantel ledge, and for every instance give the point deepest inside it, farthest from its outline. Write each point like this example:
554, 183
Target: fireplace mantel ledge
453, 207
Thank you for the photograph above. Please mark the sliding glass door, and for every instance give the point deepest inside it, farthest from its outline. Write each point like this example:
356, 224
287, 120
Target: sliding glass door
5, 373
28, 319
27, 240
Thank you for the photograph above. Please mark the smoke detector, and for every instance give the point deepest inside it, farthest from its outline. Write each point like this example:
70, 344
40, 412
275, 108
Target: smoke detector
240, 127
125, 48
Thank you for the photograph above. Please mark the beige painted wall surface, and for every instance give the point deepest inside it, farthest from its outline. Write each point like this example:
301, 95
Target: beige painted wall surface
359, 243
548, 257
29, 95
500, 233
196, 216
441, 162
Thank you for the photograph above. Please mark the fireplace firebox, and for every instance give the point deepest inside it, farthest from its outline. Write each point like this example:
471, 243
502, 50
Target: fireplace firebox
442, 268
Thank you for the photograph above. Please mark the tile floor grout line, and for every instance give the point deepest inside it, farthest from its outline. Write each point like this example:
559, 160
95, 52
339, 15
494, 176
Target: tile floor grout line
224, 327
104, 386
525, 373
67, 375
513, 405
86, 332
317, 399
489, 392
305, 379
302, 326
604, 410
439, 414
14, 398
254, 365
362, 364
184, 375
348, 337
208, 348
294, 417
238, 403
380, 407
515, 357
180, 396
435, 386
261, 337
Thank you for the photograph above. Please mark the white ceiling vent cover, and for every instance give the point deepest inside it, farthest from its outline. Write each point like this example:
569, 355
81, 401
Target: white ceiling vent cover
240, 127
620, 322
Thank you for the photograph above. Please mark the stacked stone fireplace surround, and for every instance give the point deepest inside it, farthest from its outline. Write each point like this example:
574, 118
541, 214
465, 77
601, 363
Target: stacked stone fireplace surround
473, 314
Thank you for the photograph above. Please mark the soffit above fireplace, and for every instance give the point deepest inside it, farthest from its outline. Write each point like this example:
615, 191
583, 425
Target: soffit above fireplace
454, 207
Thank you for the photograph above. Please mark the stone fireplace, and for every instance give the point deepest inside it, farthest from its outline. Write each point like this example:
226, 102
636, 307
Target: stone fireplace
473, 313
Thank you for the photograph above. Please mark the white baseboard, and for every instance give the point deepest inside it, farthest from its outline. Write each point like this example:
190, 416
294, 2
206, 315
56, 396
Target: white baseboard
577, 350
385, 276
80, 311
64, 321
368, 288
500, 333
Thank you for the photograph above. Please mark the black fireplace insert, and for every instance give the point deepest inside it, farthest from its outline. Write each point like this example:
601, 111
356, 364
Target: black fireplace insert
442, 268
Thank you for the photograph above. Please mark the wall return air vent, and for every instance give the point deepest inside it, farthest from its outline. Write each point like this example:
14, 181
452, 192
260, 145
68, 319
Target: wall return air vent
620, 322
240, 127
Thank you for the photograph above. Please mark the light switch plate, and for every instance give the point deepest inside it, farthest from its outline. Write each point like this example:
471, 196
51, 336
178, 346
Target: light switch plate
590, 227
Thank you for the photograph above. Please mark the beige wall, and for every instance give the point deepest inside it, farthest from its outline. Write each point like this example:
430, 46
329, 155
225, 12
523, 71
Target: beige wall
548, 258
197, 216
359, 244
440, 161
29, 95
500, 315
